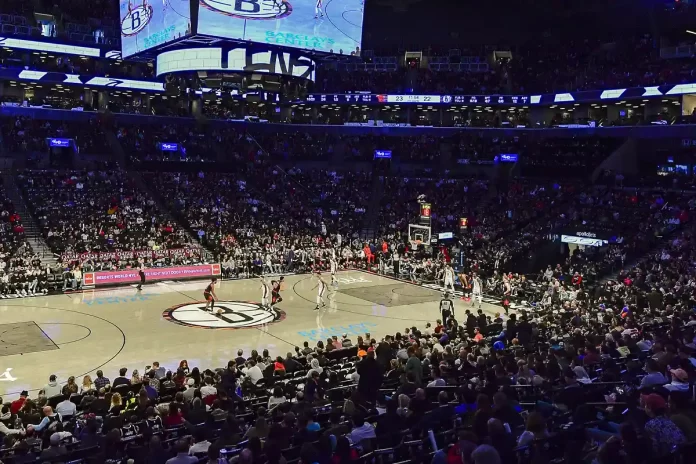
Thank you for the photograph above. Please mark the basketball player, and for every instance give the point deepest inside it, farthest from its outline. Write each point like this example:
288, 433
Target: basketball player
466, 286
449, 277
275, 291
321, 290
319, 8
333, 265
507, 291
209, 294
446, 308
265, 292
141, 273
476, 290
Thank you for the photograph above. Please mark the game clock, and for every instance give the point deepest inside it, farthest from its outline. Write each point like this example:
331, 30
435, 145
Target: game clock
420, 99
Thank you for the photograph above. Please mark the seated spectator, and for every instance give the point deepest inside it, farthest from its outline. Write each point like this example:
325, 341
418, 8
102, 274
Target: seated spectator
680, 380
663, 433
362, 431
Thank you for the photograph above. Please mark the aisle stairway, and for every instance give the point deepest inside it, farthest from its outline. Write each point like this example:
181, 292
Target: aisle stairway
138, 180
32, 230
369, 229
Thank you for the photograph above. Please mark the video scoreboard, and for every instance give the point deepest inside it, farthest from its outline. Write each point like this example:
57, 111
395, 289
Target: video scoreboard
319, 25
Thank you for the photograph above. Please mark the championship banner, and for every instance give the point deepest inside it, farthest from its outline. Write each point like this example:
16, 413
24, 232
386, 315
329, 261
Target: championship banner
425, 212
119, 255
463, 224
130, 276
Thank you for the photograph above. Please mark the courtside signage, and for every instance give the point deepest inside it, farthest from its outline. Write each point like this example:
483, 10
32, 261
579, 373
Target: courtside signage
129, 276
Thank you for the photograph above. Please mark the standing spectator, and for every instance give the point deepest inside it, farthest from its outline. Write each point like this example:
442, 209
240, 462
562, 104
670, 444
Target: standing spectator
413, 365
371, 376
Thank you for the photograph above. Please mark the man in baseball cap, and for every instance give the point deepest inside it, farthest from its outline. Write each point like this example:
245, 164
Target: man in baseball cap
680, 380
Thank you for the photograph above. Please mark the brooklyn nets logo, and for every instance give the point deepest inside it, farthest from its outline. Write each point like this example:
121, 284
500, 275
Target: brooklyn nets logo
227, 315
136, 19
250, 9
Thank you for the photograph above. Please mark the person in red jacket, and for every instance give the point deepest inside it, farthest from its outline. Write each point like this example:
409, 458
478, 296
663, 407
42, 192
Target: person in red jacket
577, 280
370, 258
18, 403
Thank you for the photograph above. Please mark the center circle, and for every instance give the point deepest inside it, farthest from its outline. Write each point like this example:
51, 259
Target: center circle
225, 315
264, 10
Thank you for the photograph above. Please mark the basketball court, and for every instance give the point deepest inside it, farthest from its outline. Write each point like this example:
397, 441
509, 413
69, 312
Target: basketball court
77, 334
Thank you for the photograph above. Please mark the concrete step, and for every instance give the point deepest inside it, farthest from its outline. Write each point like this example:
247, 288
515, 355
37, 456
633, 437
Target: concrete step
32, 230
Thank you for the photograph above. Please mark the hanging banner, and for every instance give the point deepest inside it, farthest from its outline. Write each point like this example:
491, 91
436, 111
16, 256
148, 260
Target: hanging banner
425, 212
463, 224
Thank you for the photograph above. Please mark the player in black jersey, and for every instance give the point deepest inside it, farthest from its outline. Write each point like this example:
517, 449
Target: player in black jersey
209, 294
275, 291
446, 308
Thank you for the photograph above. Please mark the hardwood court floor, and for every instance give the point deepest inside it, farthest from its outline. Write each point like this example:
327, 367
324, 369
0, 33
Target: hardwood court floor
77, 334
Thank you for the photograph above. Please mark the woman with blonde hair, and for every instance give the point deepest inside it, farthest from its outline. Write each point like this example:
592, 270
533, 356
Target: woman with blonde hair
135, 378
116, 404
87, 385
404, 401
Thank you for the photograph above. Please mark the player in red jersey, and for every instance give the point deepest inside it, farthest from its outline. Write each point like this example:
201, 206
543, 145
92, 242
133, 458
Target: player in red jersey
209, 294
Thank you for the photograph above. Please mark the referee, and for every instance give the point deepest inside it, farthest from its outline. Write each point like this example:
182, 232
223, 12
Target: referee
141, 273
446, 308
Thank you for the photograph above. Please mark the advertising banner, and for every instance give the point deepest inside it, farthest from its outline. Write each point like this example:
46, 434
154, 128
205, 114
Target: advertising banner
130, 276
119, 255
587, 241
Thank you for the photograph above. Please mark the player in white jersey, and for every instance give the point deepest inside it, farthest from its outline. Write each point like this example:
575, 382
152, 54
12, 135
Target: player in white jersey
449, 278
265, 292
319, 9
333, 265
321, 291
476, 290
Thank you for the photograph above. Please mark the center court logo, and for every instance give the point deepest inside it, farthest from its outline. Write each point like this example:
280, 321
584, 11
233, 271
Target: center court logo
228, 315
136, 19
250, 9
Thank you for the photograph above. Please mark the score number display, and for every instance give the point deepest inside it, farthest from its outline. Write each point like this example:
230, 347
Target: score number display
149, 23
423, 99
330, 26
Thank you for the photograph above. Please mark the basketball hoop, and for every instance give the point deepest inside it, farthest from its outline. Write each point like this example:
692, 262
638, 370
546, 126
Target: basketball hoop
418, 235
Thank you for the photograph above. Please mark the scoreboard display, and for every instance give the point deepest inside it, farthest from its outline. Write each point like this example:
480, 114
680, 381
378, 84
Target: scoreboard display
149, 23
330, 26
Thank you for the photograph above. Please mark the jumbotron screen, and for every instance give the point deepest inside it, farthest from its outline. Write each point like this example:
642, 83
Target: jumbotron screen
331, 26
149, 23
